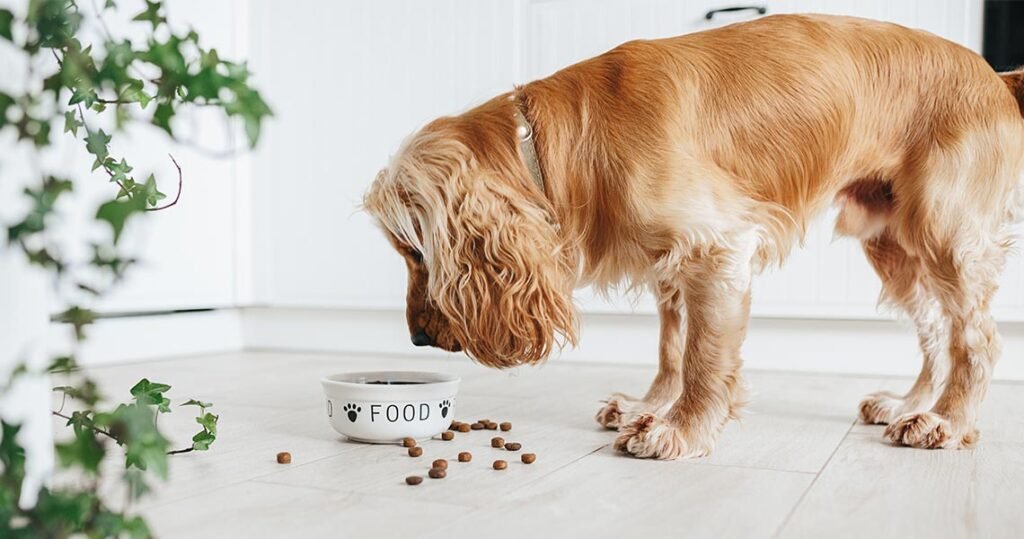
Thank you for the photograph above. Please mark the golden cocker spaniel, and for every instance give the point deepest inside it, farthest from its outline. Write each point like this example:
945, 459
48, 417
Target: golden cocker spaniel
686, 165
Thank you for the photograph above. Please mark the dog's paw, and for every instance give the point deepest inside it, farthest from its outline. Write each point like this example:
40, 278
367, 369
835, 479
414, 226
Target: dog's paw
928, 430
618, 410
880, 408
649, 436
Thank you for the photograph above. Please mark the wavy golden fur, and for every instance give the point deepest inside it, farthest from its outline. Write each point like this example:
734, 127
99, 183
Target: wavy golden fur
687, 164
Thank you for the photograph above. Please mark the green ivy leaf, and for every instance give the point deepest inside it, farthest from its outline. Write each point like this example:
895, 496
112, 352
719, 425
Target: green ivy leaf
162, 117
117, 212
209, 422
6, 21
118, 171
151, 14
202, 441
12, 455
71, 122
84, 451
146, 392
62, 365
96, 144
199, 403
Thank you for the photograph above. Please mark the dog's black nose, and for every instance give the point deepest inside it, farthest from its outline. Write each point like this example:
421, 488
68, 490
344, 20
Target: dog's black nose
420, 338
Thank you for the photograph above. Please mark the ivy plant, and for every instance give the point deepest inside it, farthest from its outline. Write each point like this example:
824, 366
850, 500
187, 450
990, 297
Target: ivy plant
91, 92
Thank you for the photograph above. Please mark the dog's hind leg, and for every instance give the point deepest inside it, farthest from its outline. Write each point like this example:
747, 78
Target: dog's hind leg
620, 409
904, 286
962, 241
717, 295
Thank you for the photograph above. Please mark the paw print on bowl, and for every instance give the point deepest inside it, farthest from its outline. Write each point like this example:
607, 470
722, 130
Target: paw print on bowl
445, 406
352, 411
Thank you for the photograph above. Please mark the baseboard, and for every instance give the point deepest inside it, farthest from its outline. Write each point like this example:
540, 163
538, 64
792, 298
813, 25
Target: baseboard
837, 346
141, 338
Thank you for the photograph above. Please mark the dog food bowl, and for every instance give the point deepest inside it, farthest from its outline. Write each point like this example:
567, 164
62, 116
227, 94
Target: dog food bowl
386, 406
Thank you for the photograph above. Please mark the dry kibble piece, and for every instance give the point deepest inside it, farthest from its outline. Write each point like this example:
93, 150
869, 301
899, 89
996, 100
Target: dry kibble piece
500, 465
513, 446
497, 442
506, 426
464, 427
284, 457
491, 425
440, 463
447, 435
483, 421
477, 426
413, 480
465, 456
415, 451
454, 425
528, 458
408, 442
437, 473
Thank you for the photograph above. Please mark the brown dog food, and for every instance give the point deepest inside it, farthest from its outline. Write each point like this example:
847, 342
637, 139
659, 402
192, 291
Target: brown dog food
447, 435
500, 465
408, 442
506, 426
464, 427
454, 425
437, 473
513, 446
413, 480
415, 451
491, 425
528, 458
440, 463
284, 457
477, 426
497, 442
465, 456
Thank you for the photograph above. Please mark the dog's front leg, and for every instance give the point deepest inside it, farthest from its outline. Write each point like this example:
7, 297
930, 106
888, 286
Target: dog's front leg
620, 409
717, 299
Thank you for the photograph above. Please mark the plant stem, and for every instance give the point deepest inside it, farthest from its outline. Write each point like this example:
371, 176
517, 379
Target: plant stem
92, 427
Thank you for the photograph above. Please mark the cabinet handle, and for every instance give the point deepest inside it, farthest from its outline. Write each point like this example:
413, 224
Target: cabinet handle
761, 10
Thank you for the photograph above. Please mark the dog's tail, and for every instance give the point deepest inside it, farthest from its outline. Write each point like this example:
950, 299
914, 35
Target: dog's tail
1015, 81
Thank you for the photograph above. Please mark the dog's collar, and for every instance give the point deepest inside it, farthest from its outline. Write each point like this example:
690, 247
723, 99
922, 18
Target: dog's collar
524, 131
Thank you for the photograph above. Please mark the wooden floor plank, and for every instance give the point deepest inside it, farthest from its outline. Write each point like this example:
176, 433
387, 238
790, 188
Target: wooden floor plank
872, 489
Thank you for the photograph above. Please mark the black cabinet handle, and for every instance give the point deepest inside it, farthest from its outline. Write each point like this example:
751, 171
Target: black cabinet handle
761, 10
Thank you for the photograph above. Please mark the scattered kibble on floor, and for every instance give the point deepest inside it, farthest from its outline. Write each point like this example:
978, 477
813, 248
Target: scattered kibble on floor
284, 457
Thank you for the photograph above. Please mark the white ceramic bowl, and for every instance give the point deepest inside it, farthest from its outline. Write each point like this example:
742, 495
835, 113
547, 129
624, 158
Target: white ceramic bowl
386, 406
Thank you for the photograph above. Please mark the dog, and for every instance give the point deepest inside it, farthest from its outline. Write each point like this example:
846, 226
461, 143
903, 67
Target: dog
685, 166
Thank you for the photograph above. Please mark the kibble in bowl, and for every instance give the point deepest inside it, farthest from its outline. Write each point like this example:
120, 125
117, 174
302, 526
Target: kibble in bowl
387, 406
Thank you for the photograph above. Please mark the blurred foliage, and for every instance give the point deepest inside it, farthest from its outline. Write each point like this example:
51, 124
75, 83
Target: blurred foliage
70, 87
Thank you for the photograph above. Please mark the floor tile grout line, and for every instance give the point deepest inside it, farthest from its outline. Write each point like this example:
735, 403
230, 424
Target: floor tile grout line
803, 496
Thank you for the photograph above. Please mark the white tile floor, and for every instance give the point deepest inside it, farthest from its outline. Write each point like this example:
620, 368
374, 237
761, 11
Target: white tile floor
798, 465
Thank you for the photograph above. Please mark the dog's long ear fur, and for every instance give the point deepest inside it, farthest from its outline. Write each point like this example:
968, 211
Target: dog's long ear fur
501, 277
498, 270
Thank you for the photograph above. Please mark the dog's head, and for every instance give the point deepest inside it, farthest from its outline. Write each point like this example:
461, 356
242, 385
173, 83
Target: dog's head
488, 273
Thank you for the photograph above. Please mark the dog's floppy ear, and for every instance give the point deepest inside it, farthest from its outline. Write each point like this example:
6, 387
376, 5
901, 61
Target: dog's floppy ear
500, 275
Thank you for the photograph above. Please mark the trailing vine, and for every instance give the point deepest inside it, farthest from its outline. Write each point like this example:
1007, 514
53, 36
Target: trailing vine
76, 88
